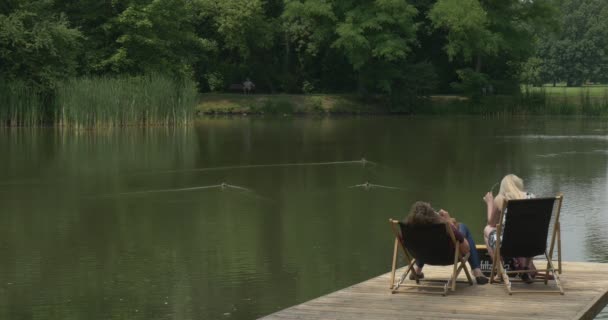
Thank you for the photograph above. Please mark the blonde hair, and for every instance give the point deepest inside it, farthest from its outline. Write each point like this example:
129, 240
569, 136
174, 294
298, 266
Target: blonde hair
511, 187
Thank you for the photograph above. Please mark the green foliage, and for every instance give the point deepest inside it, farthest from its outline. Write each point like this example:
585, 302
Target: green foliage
308, 87
276, 107
492, 36
579, 52
240, 23
531, 72
380, 30
395, 51
316, 104
471, 83
155, 36
310, 24
215, 80
468, 28
412, 90
37, 47
374, 36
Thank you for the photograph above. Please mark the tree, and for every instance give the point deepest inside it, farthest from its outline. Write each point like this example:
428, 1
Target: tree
469, 33
374, 35
36, 47
579, 51
155, 36
245, 34
499, 31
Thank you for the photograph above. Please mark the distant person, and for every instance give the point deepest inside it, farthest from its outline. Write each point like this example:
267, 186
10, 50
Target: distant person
248, 86
423, 213
511, 188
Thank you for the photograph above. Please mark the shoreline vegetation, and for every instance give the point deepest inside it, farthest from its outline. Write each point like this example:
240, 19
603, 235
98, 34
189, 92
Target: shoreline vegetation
94, 102
580, 101
161, 63
153, 100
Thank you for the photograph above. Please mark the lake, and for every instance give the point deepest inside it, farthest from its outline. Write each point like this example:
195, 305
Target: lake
236, 218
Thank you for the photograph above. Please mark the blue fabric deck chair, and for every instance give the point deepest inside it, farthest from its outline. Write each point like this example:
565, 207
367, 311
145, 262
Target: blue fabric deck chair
434, 244
524, 232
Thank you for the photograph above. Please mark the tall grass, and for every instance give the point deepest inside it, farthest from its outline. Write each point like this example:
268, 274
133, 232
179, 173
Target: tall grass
21, 105
529, 102
123, 101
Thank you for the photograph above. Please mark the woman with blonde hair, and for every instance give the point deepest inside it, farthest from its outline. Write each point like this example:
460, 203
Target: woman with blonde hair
511, 188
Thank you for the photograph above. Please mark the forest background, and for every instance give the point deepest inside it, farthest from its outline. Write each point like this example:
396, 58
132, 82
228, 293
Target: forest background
400, 51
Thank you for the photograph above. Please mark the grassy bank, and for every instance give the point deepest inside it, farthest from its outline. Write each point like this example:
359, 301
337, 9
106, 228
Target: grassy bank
100, 102
212, 103
527, 103
561, 90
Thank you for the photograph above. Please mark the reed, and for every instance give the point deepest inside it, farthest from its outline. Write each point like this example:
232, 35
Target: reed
21, 105
124, 101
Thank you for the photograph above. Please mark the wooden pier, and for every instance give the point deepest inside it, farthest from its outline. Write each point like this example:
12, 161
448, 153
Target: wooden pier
585, 285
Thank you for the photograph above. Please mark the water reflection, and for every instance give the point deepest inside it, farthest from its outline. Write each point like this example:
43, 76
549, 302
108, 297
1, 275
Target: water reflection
178, 245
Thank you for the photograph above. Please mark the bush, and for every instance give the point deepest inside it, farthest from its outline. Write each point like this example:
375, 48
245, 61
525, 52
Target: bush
278, 106
215, 81
307, 87
472, 83
411, 90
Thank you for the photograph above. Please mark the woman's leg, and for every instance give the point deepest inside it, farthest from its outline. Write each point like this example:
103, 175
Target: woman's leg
474, 257
418, 265
486, 236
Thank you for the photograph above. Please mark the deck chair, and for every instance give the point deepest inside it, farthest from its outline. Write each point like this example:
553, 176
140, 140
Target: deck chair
525, 234
434, 244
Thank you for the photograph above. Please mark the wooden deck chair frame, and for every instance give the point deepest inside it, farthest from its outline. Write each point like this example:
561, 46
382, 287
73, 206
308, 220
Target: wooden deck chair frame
498, 267
450, 284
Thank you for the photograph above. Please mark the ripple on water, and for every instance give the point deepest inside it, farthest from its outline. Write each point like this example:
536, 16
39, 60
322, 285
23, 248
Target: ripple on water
560, 137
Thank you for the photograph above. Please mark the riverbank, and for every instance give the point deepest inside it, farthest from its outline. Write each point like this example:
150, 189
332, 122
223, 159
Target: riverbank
535, 102
240, 104
155, 100
218, 103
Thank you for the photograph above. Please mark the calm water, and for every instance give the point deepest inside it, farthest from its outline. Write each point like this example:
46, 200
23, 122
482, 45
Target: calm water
135, 224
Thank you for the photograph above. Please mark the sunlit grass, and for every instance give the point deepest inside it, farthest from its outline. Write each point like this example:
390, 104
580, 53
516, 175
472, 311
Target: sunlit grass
595, 91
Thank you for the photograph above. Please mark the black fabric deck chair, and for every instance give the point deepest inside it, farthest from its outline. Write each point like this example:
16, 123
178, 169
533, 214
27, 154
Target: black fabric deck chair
434, 244
525, 233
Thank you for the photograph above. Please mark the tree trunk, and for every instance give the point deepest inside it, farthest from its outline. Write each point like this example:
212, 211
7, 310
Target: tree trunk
286, 58
478, 64
361, 84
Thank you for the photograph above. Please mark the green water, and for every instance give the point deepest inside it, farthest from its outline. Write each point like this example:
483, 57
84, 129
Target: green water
112, 224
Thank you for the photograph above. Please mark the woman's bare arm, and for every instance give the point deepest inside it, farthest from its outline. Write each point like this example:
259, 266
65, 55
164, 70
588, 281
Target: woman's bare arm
464, 246
492, 211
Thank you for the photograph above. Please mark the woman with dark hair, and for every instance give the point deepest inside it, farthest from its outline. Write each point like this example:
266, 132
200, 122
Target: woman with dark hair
423, 213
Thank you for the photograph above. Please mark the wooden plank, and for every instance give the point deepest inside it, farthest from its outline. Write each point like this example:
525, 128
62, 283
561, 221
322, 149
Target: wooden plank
585, 284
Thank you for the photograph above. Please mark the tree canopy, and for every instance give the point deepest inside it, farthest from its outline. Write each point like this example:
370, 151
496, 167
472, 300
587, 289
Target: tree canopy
578, 51
369, 46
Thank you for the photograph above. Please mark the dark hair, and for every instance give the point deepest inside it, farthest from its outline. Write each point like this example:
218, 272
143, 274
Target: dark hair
422, 213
